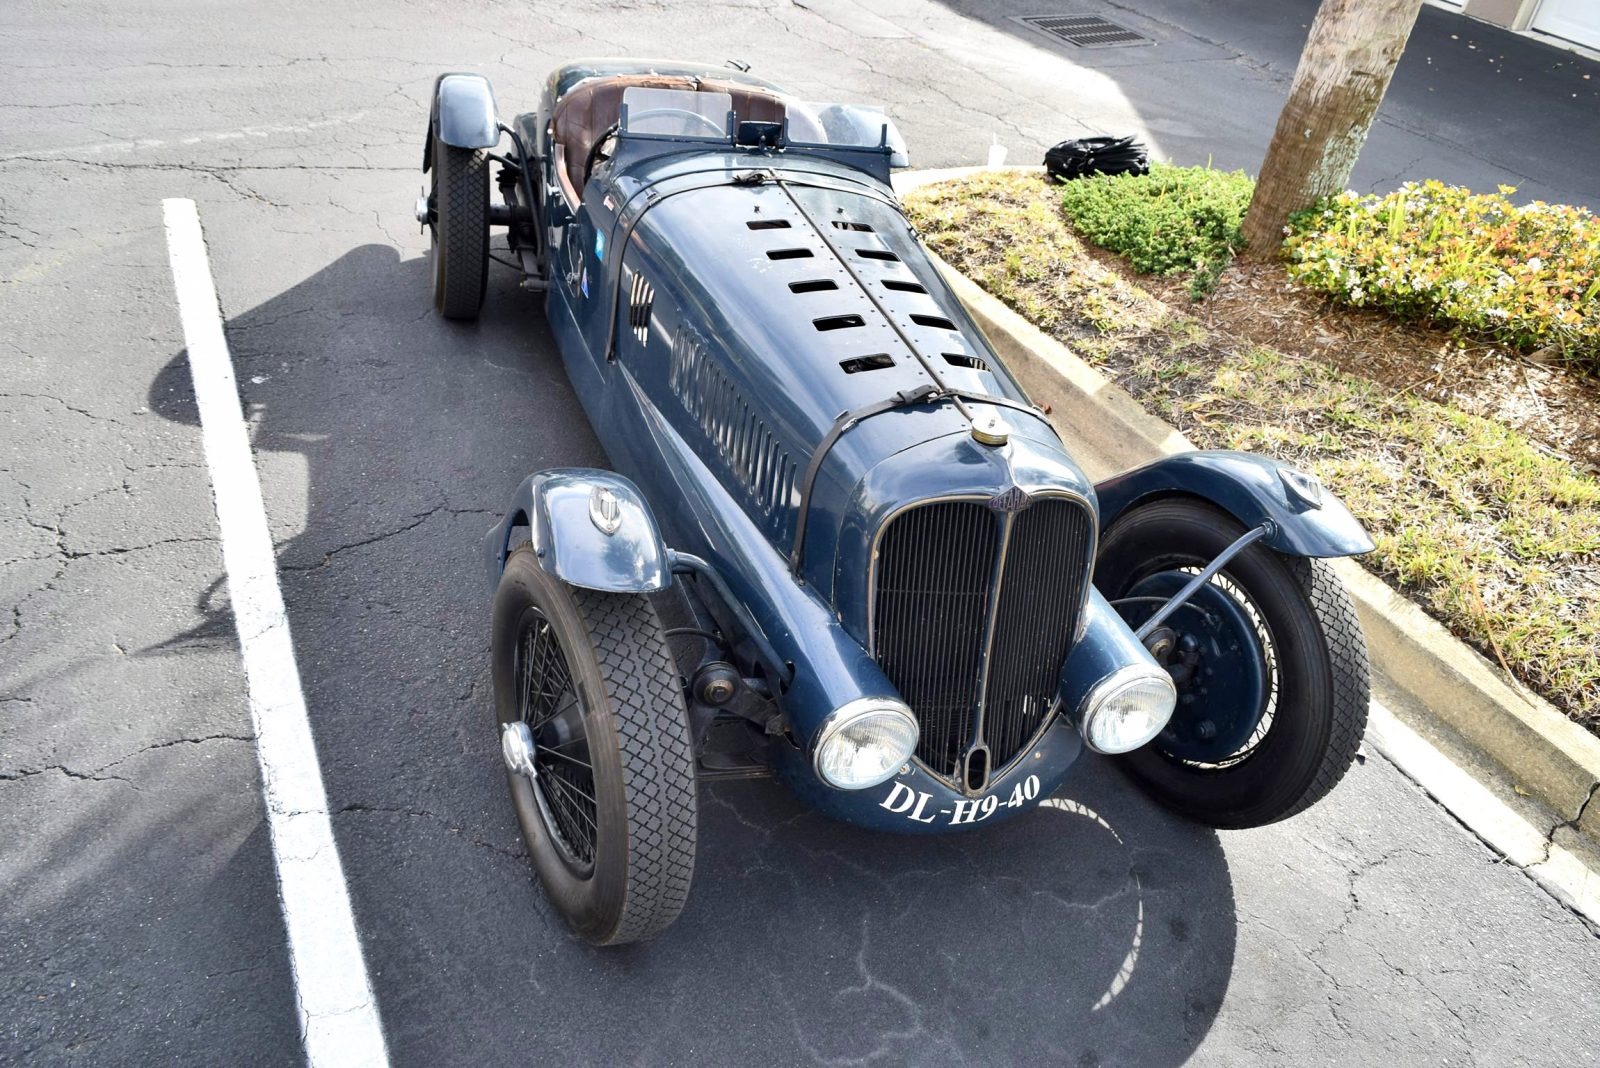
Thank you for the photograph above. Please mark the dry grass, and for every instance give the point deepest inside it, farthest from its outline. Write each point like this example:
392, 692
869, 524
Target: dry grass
1555, 408
1488, 530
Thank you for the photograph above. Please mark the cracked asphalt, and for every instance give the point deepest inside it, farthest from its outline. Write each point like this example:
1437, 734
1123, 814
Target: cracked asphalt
138, 913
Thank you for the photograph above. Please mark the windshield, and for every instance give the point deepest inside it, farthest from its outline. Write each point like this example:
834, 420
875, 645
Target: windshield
676, 113
844, 125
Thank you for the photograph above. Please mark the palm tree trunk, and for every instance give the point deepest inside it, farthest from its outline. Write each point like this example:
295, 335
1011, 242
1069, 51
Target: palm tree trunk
1343, 73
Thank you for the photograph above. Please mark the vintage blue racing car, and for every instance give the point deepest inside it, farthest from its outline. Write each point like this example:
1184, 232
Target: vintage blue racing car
844, 547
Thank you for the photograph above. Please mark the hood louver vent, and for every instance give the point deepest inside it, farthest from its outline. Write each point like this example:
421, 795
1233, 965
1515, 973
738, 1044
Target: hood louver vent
876, 362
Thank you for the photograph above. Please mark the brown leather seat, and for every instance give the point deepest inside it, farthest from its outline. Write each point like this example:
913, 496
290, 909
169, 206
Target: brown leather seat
591, 107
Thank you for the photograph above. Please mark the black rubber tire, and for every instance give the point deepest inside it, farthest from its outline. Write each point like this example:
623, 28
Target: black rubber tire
459, 252
639, 742
1321, 712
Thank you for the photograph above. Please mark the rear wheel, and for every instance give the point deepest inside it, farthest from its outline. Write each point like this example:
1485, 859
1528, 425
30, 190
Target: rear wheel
1268, 658
608, 810
458, 204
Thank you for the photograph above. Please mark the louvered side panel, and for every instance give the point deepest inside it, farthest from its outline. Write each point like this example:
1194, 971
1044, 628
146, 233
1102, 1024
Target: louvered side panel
755, 459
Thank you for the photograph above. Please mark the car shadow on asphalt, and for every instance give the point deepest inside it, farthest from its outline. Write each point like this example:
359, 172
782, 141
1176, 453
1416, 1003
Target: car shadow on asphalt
1096, 930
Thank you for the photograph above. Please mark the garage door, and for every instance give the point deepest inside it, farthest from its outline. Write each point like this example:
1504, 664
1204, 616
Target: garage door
1576, 20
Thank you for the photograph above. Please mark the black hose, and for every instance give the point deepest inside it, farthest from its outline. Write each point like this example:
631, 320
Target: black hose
1097, 155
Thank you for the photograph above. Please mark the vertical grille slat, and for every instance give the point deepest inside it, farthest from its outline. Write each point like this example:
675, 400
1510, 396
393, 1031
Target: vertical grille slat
934, 583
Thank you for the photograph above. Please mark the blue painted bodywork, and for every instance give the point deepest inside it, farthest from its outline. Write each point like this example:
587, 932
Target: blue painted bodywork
1253, 489
555, 506
688, 286
918, 802
463, 114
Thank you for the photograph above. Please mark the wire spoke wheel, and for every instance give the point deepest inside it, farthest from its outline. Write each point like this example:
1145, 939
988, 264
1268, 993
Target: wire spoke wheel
602, 778
549, 705
1220, 622
1267, 658
1269, 654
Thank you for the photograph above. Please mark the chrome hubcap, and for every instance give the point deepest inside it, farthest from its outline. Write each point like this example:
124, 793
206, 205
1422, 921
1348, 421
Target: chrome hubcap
516, 749
423, 213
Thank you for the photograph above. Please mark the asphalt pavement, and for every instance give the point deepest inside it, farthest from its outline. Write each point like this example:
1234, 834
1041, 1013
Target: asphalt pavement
139, 914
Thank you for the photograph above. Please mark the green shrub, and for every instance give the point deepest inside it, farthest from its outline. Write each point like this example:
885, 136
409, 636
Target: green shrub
1171, 221
1528, 277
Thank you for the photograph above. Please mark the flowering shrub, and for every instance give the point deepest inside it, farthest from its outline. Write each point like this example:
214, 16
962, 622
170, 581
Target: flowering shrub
1528, 277
1170, 221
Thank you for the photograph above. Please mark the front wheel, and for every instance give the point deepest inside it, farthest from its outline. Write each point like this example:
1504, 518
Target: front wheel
1268, 658
596, 739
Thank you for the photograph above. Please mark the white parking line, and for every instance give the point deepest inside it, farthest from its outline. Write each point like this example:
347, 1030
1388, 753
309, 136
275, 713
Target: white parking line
338, 1014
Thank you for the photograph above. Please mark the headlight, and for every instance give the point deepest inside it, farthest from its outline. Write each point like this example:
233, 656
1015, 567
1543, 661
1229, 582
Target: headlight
1126, 710
865, 742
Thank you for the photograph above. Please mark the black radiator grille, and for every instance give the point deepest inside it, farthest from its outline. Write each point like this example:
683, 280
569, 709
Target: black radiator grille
1035, 621
934, 570
933, 618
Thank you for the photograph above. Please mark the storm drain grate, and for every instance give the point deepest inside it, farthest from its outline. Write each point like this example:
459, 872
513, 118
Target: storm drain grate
1085, 31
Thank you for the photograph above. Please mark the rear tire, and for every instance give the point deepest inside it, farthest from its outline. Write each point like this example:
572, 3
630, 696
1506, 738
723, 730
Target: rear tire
460, 215
617, 870
1304, 611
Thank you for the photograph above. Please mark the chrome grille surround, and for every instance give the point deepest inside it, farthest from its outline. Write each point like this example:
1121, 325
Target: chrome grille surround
977, 657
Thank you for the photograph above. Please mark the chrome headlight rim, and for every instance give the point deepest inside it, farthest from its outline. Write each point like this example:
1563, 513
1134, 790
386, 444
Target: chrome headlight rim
1118, 681
852, 712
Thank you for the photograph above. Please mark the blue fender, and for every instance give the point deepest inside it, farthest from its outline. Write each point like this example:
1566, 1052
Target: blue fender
589, 528
1304, 518
463, 114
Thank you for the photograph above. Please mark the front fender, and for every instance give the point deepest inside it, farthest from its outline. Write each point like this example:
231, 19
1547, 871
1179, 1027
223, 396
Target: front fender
568, 513
463, 114
1304, 518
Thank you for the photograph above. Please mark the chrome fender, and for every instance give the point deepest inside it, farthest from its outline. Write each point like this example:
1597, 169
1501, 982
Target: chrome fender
589, 528
463, 114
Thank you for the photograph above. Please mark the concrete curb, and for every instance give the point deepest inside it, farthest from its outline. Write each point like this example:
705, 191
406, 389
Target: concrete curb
1541, 753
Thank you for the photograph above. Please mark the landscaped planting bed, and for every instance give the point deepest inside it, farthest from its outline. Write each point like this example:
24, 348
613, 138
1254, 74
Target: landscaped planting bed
1493, 529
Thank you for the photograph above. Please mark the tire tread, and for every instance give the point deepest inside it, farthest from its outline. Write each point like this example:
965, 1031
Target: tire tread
657, 759
1347, 655
462, 230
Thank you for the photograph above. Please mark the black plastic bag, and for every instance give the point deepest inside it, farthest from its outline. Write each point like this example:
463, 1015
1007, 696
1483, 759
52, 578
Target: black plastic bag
1097, 155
